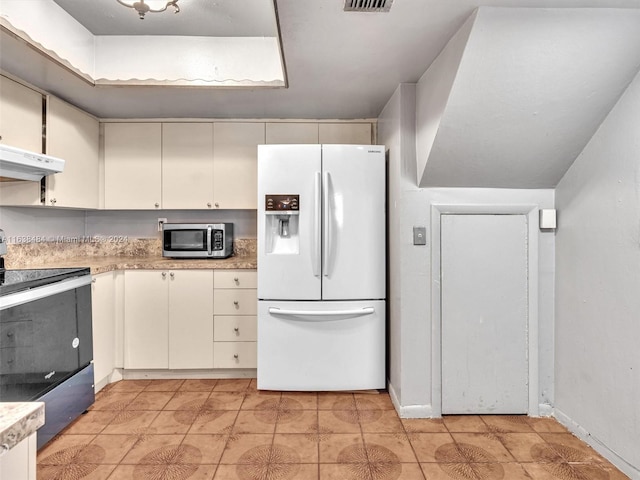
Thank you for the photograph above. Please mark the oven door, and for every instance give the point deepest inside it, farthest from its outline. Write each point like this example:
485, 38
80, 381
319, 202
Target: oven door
46, 337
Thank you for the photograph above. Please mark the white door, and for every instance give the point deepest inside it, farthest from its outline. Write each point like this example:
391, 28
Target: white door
321, 345
484, 314
354, 222
292, 273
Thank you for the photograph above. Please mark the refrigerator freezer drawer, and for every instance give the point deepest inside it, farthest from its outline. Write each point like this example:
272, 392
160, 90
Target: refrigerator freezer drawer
321, 346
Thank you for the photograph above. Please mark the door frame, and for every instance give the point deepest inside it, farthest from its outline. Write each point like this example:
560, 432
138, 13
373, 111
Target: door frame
531, 213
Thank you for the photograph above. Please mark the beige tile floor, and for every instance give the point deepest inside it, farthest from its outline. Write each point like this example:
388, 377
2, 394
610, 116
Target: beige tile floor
226, 429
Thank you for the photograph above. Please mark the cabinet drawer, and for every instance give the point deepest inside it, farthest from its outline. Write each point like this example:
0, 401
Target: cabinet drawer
235, 302
235, 328
235, 279
234, 355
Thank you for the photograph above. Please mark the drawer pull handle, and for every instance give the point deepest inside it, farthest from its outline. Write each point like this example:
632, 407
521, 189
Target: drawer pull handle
235, 356
237, 280
236, 303
237, 330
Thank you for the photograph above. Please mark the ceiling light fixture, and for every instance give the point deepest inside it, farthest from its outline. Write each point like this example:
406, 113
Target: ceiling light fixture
143, 7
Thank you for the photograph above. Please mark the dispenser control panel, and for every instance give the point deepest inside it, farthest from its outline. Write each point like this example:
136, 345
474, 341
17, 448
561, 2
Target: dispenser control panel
282, 203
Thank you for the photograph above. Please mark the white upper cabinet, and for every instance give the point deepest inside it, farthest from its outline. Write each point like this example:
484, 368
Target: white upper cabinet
74, 136
20, 116
132, 166
235, 160
187, 165
345, 133
291, 133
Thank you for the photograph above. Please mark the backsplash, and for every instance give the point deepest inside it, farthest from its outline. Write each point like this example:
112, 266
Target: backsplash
24, 251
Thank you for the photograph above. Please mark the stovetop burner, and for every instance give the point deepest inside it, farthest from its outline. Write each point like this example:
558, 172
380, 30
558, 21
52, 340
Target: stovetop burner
12, 281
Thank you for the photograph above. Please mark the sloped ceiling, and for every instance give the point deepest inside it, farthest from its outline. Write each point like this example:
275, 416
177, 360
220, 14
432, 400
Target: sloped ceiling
531, 89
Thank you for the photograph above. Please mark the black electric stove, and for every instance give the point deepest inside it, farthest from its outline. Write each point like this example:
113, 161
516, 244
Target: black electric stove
12, 281
46, 344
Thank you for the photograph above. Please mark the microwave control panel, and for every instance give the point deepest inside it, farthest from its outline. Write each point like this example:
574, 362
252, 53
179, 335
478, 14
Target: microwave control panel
217, 240
282, 203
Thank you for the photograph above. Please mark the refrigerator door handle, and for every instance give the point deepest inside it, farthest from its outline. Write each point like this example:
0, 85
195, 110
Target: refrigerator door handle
356, 312
326, 212
317, 222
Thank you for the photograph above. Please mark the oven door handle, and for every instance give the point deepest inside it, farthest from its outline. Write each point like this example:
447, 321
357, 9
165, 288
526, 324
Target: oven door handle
209, 245
26, 296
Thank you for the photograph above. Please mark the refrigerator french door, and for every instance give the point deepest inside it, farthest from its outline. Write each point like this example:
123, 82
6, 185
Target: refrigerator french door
321, 267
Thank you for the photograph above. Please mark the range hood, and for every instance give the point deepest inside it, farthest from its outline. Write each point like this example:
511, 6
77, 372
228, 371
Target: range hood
18, 164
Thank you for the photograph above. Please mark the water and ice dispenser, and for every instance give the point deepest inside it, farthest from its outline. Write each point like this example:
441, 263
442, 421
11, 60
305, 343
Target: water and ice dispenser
282, 222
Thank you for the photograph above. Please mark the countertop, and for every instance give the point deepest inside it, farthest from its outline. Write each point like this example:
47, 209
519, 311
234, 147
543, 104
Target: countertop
103, 264
18, 420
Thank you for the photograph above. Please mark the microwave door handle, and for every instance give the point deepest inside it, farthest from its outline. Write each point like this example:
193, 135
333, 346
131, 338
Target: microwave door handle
209, 246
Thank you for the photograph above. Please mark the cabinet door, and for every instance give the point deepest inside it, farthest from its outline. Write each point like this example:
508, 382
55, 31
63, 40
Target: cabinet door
187, 165
235, 328
287, 133
235, 161
191, 319
345, 133
235, 355
20, 116
132, 166
235, 279
235, 301
74, 136
146, 319
20, 126
19, 463
104, 327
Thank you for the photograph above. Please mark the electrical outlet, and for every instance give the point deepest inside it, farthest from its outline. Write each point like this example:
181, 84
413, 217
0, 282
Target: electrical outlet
161, 221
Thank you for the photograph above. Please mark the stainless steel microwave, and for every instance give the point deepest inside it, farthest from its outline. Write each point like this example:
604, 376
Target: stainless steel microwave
197, 240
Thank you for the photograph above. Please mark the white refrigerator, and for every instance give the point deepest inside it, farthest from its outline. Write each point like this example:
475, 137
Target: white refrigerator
321, 267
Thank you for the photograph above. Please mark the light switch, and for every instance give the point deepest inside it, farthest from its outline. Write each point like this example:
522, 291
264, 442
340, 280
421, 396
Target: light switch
419, 235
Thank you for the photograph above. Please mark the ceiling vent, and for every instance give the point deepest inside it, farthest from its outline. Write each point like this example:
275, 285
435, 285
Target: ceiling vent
367, 5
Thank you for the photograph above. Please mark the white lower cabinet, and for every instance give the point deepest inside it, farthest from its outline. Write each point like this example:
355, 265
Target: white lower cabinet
146, 319
104, 327
235, 355
19, 463
191, 319
235, 322
168, 319
182, 319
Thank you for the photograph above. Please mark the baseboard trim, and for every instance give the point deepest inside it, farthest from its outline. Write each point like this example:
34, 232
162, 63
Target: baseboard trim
584, 435
409, 411
545, 410
218, 373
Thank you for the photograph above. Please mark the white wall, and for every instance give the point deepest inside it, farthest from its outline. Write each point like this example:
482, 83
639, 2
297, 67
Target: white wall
411, 377
598, 287
48, 222
31, 222
143, 223
396, 130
